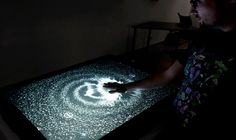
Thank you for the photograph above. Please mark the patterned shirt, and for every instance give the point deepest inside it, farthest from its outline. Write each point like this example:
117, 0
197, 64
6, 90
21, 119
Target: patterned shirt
204, 70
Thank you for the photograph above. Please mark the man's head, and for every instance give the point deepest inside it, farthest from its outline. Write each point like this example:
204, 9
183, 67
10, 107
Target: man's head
213, 12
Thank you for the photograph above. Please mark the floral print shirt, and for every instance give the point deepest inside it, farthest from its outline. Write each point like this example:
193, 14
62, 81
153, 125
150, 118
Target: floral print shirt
203, 72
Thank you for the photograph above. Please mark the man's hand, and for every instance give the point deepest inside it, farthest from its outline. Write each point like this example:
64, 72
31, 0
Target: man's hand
115, 87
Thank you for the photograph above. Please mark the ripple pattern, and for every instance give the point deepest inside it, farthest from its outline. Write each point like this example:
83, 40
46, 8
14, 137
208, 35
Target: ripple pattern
74, 105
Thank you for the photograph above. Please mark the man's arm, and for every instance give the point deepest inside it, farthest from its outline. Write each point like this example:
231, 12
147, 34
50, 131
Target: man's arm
158, 79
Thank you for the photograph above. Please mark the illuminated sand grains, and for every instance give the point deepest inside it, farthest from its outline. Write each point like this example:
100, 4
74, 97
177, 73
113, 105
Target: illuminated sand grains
74, 105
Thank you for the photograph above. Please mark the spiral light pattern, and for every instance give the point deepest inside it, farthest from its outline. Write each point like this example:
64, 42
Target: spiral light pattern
75, 105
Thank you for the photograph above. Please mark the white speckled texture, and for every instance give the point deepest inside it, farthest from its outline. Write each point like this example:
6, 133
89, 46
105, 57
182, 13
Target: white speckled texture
73, 105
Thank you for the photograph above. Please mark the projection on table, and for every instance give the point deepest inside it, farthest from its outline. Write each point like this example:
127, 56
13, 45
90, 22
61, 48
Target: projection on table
74, 105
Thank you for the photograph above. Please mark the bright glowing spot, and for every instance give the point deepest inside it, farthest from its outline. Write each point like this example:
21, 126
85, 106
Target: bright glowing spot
89, 91
39, 128
68, 115
105, 95
101, 95
132, 75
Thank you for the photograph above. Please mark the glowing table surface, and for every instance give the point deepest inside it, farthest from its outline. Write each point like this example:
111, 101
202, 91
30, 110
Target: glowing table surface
73, 104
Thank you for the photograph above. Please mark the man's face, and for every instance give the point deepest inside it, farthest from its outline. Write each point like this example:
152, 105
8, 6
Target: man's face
205, 11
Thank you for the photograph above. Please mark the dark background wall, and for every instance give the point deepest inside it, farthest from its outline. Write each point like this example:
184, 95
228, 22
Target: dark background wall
40, 36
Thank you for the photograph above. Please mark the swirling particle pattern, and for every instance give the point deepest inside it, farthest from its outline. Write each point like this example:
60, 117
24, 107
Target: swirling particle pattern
74, 105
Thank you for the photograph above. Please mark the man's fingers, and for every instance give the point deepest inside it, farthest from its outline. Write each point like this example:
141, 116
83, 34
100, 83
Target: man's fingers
112, 91
110, 85
116, 87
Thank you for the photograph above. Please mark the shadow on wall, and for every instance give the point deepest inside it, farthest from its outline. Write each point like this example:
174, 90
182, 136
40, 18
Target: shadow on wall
39, 36
31, 31
19, 18
58, 7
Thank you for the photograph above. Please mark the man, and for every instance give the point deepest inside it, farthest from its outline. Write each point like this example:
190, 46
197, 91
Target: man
208, 68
